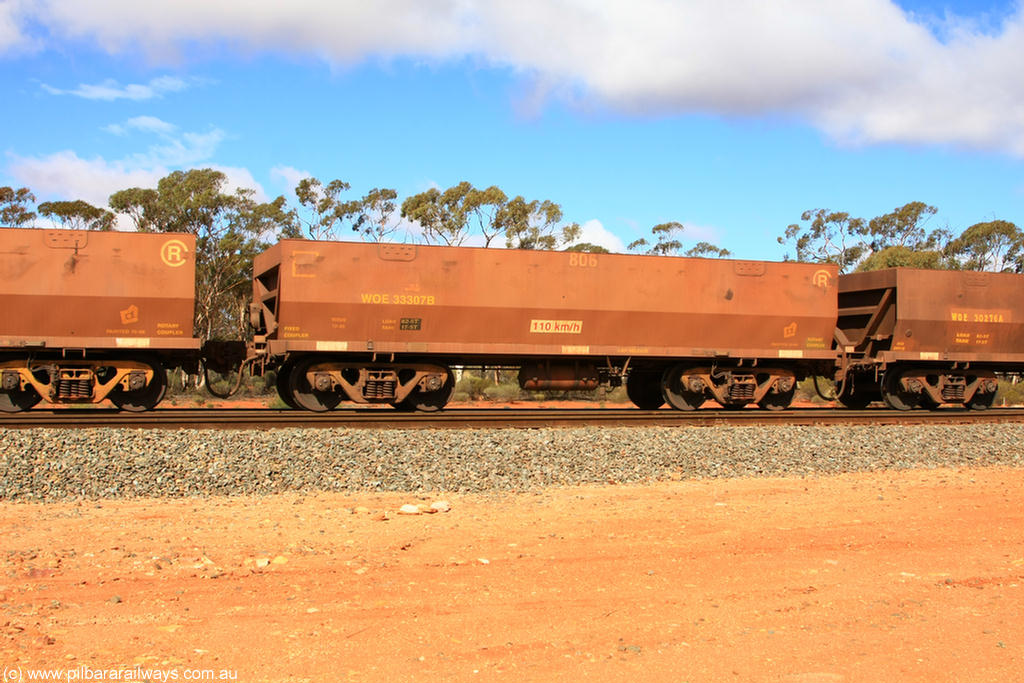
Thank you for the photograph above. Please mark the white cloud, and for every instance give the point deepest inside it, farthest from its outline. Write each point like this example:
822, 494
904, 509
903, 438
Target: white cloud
13, 36
288, 178
67, 175
861, 70
864, 71
149, 124
173, 148
594, 232
184, 150
240, 178
110, 89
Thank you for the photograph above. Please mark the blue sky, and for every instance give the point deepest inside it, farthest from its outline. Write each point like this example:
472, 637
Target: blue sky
731, 118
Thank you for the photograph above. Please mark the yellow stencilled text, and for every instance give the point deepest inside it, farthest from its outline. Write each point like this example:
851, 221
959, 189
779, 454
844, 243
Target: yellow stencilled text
169, 330
400, 299
556, 326
978, 316
582, 260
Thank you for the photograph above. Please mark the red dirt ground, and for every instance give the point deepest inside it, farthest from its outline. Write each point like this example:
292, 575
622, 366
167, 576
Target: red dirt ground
894, 576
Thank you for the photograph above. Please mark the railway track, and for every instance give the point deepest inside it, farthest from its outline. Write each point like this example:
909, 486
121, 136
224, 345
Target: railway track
263, 418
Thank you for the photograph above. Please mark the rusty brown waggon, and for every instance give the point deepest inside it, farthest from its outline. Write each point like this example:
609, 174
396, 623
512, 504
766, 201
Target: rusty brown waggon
928, 337
384, 323
89, 316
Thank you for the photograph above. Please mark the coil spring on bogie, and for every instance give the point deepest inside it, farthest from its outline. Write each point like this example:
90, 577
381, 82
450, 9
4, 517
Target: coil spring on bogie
74, 388
380, 388
741, 391
953, 393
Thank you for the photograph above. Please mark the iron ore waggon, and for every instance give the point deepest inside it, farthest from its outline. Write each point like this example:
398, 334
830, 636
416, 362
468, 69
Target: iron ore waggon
927, 337
385, 323
89, 316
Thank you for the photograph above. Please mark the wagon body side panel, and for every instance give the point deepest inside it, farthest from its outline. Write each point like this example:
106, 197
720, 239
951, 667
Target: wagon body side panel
495, 302
86, 289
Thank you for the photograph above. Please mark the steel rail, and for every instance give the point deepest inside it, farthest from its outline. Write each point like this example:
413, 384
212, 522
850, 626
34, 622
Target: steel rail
265, 418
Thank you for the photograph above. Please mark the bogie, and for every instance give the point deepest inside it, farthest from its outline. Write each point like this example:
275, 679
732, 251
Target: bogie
133, 384
320, 384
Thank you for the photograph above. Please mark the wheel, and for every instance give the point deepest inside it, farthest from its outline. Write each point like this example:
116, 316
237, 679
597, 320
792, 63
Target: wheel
17, 400
894, 396
678, 396
147, 397
854, 401
644, 390
429, 401
982, 401
777, 401
283, 390
305, 396
858, 398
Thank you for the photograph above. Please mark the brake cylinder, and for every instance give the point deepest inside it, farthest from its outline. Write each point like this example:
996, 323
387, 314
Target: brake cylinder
575, 377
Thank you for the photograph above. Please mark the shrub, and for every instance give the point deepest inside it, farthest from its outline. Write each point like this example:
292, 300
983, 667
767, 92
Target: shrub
1010, 393
503, 393
805, 390
472, 387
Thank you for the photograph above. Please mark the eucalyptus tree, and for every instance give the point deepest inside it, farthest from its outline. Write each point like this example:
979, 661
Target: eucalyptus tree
324, 212
904, 226
14, 207
534, 224
230, 229
995, 245
668, 242
454, 215
78, 215
375, 216
829, 237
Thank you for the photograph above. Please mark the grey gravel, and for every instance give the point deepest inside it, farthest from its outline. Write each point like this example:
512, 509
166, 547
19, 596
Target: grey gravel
56, 464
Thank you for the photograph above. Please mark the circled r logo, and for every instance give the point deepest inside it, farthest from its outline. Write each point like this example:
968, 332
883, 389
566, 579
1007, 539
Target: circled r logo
173, 253
821, 278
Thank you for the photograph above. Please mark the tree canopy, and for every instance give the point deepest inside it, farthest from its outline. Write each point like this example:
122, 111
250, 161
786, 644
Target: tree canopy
899, 238
993, 245
230, 229
14, 211
78, 215
668, 242
454, 215
463, 212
